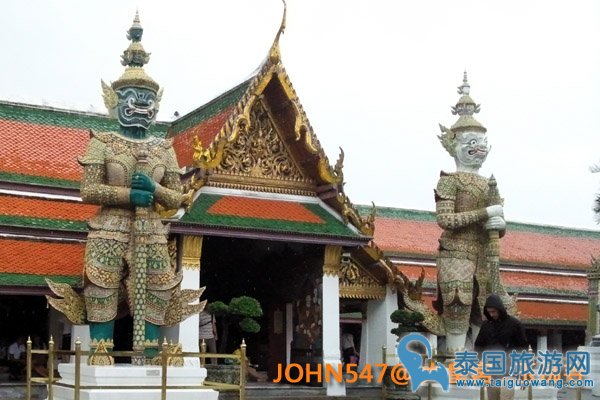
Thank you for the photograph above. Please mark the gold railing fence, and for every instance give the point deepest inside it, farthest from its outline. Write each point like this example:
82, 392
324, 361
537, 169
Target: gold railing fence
51, 380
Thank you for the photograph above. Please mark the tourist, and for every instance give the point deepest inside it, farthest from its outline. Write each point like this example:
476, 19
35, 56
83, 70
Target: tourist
16, 359
499, 332
207, 332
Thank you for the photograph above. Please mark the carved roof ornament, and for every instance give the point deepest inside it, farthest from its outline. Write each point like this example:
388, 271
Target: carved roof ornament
350, 214
594, 271
274, 53
210, 157
357, 283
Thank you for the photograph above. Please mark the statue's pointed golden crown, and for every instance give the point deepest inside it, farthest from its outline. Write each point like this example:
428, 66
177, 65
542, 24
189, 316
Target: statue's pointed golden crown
465, 108
133, 59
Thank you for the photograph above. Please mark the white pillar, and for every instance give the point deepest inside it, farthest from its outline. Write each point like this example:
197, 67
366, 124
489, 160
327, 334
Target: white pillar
331, 317
379, 326
364, 337
191, 250
542, 341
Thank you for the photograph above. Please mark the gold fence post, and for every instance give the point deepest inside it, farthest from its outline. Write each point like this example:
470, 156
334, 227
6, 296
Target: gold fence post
51, 369
77, 368
163, 363
202, 350
384, 361
28, 388
243, 370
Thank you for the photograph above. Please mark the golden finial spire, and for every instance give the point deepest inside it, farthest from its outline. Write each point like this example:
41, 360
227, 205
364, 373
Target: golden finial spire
274, 54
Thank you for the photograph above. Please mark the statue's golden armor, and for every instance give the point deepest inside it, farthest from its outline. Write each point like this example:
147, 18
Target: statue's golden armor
461, 199
109, 163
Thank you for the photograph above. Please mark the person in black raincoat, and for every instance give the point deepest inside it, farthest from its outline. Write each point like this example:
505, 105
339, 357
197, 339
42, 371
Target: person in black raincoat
500, 332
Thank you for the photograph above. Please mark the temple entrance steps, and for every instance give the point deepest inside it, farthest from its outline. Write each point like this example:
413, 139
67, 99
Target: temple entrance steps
272, 391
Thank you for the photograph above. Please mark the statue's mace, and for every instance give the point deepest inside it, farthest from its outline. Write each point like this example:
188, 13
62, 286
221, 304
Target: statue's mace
140, 256
493, 253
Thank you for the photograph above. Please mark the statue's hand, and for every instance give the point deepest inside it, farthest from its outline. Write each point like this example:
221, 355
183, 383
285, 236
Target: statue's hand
143, 182
494, 211
495, 224
141, 198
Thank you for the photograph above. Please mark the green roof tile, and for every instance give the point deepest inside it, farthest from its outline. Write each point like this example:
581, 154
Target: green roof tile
37, 280
331, 226
43, 223
38, 180
71, 119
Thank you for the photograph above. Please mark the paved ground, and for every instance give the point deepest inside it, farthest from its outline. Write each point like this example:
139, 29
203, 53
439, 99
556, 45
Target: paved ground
571, 394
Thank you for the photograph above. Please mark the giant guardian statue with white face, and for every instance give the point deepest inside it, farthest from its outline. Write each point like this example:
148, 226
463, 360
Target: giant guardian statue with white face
469, 210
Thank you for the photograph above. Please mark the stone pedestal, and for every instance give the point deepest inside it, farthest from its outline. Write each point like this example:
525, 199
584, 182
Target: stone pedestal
137, 377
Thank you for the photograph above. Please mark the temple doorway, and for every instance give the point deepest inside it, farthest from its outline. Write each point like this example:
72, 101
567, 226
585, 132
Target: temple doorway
284, 277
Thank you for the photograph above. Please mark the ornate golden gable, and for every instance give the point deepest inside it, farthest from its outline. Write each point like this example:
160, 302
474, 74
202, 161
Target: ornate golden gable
357, 283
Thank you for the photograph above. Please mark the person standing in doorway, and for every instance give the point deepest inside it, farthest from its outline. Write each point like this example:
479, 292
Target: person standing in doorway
349, 353
207, 331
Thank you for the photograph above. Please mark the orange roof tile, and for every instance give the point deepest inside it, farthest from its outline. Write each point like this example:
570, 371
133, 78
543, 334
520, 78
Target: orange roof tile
41, 258
206, 131
404, 236
539, 310
40, 208
552, 311
42, 150
513, 279
264, 209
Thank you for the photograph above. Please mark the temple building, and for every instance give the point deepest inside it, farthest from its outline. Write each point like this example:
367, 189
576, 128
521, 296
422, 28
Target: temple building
267, 217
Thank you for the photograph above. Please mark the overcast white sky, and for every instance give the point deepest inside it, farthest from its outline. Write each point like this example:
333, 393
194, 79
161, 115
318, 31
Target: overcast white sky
375, 77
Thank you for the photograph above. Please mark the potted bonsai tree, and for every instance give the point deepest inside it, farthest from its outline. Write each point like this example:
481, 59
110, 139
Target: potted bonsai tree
239, 314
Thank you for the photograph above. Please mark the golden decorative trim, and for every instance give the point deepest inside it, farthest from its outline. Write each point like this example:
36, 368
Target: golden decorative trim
327, 174
366, 225
191, 252
71, 304
362, 292
358, 283
174, 358
260, 188
100, 357
209, 157
331, 264
179, 307
259, 151
274, 53
262, 181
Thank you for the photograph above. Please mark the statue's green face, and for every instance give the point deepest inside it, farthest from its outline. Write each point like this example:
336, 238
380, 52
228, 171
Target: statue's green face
471, 148
136, 107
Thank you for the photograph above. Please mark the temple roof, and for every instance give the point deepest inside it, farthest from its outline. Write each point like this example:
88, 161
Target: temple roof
27, 262
414, 233
305, 218
205, 122
40, 144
